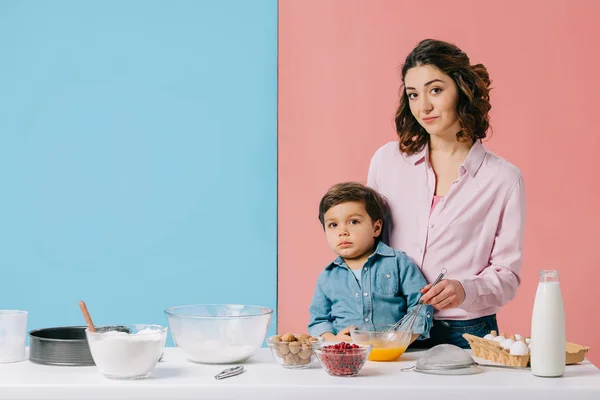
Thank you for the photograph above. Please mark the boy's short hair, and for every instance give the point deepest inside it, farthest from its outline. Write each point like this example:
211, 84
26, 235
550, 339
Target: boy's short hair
375, 204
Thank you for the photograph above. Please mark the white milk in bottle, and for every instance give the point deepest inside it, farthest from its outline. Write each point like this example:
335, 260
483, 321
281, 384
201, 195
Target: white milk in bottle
548, 339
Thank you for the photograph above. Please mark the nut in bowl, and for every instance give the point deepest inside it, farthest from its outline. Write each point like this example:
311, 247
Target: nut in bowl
293, 351
342, 359
386, 346
126, 351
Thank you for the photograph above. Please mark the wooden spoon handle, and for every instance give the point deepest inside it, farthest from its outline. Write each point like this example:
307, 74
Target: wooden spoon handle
87, 317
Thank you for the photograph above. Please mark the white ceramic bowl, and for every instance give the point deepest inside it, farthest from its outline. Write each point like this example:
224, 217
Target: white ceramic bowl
219, 333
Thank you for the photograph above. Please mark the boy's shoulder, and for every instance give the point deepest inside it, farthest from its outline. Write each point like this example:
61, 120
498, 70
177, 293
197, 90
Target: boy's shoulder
329, 270
338, 262
388, 252
384, 250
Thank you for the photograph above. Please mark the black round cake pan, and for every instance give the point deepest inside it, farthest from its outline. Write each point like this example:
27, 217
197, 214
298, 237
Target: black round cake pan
65, 345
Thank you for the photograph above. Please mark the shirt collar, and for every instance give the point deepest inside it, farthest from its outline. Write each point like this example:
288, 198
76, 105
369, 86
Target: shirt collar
475, 158
471, 164
418, 157
382, 249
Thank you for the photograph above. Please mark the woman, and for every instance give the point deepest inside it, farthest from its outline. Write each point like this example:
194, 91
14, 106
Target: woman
454, 204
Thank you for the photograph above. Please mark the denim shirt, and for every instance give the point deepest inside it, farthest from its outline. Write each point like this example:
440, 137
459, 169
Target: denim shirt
390, 286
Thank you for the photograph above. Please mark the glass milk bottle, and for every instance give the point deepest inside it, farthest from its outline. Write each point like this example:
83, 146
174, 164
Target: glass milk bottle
548, 339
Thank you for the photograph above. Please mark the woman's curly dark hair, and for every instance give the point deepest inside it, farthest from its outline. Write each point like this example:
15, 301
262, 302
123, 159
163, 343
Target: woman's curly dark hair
473, 84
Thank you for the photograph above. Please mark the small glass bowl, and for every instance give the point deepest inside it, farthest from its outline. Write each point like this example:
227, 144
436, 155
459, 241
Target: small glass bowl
339, 360
386, 346
293, 355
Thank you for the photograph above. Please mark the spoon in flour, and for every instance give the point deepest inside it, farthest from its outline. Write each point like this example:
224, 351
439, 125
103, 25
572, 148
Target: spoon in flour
87, 317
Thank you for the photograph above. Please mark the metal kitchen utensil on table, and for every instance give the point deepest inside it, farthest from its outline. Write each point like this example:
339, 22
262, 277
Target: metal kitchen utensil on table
446, 359
64, 345
229, 372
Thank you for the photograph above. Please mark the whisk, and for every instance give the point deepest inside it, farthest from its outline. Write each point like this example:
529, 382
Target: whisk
407, 322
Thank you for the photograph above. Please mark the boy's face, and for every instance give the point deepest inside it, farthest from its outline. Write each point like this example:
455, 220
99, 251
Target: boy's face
350, 230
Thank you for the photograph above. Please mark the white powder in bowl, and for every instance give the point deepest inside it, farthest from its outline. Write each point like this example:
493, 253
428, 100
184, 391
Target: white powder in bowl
215, 352
123, 355
115, 333
146, 331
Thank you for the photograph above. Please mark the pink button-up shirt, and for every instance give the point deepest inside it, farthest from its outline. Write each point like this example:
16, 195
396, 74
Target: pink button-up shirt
475, 231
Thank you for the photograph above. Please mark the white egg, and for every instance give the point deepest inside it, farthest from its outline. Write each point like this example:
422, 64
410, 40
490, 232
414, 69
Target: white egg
499, 338
527, 340
519, 349
507, 343
489, 336
517, 336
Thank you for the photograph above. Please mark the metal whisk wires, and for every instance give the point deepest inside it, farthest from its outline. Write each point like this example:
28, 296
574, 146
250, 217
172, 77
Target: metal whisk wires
407, 322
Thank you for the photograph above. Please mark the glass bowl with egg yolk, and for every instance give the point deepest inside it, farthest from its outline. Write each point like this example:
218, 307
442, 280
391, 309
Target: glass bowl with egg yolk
385, 346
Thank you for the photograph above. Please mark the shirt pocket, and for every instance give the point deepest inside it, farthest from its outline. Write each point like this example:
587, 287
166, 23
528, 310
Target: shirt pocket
387, 282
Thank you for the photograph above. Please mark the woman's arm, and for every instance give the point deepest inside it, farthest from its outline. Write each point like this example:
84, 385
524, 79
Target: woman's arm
373, 182
372, 178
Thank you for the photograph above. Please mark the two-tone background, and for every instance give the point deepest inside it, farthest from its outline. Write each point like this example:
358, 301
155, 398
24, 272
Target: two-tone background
158, 153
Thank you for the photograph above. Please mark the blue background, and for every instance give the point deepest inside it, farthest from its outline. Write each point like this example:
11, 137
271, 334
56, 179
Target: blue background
138, 157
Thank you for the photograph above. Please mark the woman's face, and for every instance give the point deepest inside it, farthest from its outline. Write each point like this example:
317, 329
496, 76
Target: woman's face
433, 98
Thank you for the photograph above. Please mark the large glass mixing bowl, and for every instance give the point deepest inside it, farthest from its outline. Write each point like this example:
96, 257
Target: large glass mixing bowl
219, 333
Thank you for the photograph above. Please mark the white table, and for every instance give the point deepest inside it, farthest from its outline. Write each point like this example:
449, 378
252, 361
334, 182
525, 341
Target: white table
177, 378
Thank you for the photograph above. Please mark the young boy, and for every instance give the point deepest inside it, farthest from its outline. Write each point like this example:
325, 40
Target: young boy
369, 283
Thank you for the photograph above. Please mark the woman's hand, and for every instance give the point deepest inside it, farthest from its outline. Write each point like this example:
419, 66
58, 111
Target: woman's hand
343, 335
446, 294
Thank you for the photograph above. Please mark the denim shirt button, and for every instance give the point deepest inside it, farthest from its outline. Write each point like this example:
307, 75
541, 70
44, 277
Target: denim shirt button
365, 268
365, 294
388, 276
428, 315
356, 294
366, 319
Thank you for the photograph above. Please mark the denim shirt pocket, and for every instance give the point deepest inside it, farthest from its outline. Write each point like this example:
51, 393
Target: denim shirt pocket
387, 281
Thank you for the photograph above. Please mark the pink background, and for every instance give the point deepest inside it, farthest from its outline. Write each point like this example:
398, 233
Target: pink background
338, 83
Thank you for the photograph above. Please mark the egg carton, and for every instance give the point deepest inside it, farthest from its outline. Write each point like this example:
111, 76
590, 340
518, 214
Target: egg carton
493, 351
576, 353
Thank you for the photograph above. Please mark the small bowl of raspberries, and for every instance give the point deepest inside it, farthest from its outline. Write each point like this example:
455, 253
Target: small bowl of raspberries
342, 359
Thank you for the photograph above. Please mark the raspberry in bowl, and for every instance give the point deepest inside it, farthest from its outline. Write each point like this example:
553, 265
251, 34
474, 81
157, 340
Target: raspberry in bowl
342, 359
